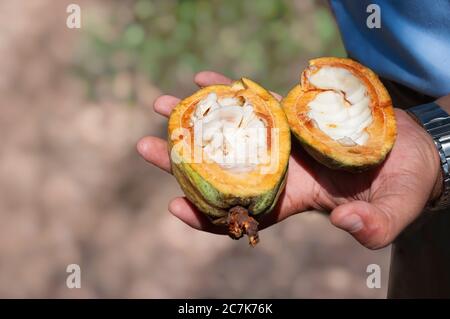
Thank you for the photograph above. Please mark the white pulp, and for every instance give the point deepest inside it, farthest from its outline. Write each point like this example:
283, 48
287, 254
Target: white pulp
232, 135
342, 112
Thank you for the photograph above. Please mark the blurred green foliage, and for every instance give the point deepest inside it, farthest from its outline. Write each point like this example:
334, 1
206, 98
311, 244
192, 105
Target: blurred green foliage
169, 40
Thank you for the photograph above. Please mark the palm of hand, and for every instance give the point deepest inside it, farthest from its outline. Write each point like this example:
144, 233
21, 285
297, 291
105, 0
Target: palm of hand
374, 206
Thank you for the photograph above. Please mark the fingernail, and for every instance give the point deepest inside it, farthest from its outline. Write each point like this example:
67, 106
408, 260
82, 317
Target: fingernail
351, 223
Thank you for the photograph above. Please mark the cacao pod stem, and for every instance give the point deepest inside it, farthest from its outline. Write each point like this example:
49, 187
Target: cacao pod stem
240, 222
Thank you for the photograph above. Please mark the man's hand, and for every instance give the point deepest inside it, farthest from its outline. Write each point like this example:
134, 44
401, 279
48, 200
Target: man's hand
373, 206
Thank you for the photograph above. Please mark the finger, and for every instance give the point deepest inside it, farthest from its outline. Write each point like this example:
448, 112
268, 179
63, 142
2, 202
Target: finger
184, 210
154, 150
164, 104
276, 95
367, 223
206, 78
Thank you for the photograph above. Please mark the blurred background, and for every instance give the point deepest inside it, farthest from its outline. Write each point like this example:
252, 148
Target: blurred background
74, 102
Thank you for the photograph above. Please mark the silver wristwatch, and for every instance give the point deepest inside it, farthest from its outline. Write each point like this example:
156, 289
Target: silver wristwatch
437, 123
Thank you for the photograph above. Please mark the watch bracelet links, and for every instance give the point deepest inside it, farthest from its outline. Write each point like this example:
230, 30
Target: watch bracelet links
437, 123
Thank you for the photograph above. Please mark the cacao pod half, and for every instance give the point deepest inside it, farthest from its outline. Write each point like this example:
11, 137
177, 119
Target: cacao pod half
342, 114
229, 148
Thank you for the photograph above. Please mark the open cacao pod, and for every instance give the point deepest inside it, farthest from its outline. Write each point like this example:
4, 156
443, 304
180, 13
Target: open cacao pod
229, 149
342, 114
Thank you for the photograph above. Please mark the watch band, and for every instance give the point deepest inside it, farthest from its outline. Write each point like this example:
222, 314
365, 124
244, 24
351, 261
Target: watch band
437, 123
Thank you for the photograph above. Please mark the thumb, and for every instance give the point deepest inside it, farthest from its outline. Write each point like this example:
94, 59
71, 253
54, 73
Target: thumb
366, 222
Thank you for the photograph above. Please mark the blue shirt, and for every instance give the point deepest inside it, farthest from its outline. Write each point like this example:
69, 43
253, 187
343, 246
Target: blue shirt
412, 47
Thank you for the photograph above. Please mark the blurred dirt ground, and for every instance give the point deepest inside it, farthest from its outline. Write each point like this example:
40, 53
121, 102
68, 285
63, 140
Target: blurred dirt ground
73, 190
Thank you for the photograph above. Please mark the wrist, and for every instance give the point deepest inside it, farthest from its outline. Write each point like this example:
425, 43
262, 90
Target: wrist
444, 103
433, 123
434, 160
